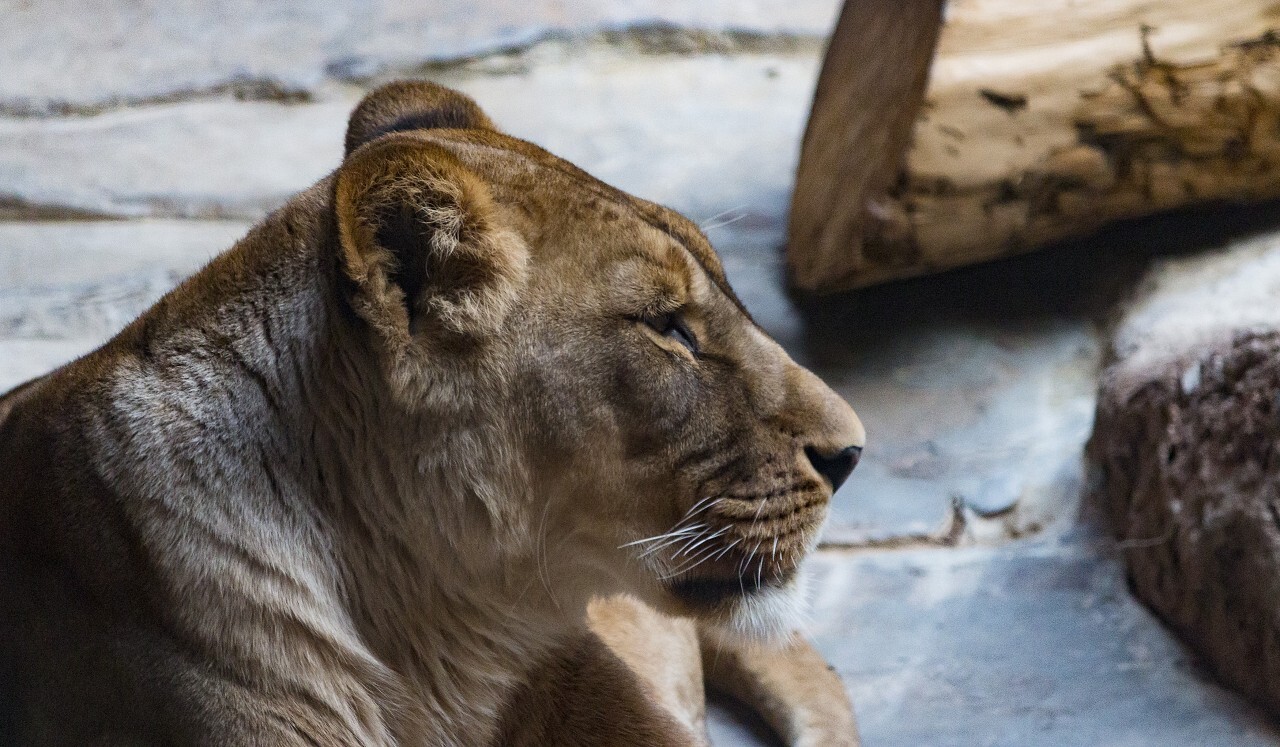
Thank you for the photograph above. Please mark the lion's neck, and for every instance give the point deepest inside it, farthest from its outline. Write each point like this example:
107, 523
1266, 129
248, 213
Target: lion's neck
441, 597
460, 653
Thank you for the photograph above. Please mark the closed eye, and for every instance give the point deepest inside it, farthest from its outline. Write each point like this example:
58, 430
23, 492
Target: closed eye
673, 327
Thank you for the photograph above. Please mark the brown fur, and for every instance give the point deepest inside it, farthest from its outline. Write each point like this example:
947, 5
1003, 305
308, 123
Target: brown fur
357, 481
584, 695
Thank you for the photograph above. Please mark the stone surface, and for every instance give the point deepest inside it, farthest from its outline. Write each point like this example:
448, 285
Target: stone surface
211, 159
1035, 644
704, 134
23, 359
1038, 643
87, 280
43, 254
1187, 443
65, 287
59, 57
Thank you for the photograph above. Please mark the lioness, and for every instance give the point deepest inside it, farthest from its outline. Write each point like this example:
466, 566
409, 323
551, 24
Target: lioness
358, 481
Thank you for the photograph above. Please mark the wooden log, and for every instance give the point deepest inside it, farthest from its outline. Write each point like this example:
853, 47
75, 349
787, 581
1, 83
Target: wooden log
1040, 121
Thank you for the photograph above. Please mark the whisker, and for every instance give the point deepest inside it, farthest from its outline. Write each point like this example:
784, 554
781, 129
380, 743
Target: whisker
711, 224
687, 534
712, 499
755, 519
540, 556
726, 549
655, 538
702, 557
686, 543
702, 541
741, 572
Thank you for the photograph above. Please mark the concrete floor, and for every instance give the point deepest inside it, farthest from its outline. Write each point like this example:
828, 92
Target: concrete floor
964, 592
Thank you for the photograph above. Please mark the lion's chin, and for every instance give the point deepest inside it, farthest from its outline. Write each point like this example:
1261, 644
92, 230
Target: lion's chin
741, 611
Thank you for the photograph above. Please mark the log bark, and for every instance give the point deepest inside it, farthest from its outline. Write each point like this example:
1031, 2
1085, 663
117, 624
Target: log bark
1040, 121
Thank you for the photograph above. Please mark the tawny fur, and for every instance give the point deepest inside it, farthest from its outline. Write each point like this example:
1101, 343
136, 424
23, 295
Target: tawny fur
357, 481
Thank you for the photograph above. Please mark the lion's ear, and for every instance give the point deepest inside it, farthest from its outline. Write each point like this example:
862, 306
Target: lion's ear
423, 245
412, 105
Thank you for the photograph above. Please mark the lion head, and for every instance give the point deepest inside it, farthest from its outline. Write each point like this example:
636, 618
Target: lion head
652, 437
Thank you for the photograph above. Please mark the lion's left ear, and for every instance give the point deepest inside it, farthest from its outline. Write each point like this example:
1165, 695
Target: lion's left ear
422, 243
412, 105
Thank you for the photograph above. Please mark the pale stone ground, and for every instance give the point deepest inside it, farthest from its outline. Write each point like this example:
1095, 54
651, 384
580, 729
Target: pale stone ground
964, 594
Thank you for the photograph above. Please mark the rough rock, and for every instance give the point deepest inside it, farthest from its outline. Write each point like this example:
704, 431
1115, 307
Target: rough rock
1187, 444
60, 58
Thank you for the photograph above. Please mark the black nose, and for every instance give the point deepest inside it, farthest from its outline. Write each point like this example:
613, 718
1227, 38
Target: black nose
835, 467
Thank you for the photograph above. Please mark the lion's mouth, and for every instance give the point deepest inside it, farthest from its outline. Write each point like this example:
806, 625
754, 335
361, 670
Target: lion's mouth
712, 592
707, 592
735, 548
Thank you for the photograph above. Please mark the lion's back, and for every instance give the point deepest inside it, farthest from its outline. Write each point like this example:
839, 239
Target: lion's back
81, 660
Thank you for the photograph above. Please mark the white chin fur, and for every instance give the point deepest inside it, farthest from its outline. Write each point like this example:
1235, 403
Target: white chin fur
770, 615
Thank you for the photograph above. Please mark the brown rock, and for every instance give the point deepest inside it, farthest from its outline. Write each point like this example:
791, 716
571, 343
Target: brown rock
1187, 442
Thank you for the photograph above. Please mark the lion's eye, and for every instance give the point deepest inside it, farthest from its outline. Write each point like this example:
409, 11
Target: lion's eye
673, 327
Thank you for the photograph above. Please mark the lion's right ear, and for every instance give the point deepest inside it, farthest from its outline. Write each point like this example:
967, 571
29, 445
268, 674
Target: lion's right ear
421, 240
412, 105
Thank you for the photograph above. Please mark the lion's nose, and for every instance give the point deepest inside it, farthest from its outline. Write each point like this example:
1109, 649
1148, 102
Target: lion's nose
835, 467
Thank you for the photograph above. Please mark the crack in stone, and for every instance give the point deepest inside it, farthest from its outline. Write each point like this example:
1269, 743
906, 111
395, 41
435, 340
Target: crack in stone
649, 39
245, 89
15, 208
949, 536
